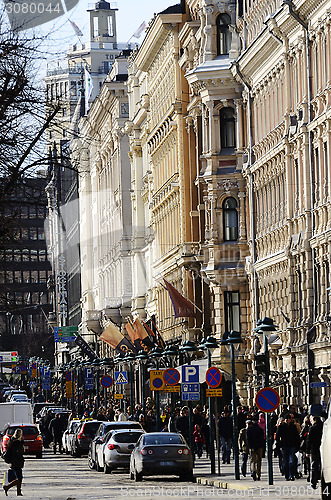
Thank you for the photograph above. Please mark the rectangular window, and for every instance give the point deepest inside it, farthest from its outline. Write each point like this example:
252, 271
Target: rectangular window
232, 311
110, 26
95, 27
326, 170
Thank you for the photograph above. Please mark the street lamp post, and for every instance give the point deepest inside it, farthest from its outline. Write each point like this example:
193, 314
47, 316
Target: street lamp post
209, 344
231, 339
157, 353
264, 326
171, 352
189, 347
142, 357
129, 358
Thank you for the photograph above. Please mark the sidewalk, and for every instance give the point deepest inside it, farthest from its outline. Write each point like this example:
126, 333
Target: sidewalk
226, 480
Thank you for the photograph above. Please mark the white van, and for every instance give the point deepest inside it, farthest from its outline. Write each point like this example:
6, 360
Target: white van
15, 413
326, 457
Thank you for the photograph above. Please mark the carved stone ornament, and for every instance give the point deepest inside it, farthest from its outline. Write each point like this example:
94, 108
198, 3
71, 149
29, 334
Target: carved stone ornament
227, 185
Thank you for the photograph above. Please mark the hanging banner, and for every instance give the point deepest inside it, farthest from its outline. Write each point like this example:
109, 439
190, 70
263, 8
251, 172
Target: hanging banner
85, 348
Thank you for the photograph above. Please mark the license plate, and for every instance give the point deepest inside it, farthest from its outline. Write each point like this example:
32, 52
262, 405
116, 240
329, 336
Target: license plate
166, 463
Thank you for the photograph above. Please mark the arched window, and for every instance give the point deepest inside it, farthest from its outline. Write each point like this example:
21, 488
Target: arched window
228, 137
223, 34
230, 220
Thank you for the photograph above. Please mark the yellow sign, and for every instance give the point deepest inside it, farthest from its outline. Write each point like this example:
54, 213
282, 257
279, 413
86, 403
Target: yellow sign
118, 396
69, 389
172, 388
156, 380
214, 393
34, 373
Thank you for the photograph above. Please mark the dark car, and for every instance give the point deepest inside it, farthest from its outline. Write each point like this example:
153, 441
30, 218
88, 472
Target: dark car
33, 442
161, 453
100, 437
84, 434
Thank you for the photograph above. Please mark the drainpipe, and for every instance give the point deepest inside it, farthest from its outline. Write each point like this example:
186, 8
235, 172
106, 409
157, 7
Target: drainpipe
304, 24
251, 187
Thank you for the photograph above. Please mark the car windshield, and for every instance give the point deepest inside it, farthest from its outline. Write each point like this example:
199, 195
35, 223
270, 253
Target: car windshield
163, 439
90, 428
126, 437
27, 430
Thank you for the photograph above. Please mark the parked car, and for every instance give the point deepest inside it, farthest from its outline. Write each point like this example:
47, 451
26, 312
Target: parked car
326, 457
33, 442
116, 450
103, 433
15, 392
82, 437
37, 407
68, 435
19, 398
161, 453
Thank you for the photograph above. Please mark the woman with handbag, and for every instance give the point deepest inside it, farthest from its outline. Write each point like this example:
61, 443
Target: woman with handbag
15, 451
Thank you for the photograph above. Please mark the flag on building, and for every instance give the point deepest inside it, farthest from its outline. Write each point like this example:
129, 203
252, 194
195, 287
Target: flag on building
183, 308
112, 336
77, 31
137, 341
138, 32
154, 334
142, 334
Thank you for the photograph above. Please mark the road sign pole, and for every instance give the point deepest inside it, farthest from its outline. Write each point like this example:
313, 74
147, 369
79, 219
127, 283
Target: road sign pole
211, 425
234, 411
268, 427
157, 401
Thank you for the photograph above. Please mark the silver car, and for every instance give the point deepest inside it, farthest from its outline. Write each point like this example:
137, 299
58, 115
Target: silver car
68, 435
117, 449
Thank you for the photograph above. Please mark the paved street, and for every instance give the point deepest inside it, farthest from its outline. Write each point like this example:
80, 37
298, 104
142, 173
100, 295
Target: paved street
62, 477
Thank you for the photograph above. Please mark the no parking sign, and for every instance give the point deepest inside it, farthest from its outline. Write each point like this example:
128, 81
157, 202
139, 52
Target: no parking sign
156, 380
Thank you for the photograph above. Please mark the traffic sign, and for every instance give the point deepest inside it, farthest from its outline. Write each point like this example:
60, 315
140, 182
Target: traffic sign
156, 380
23, 369
318, 384
8, 356
172, 388
190, 392
190, 373
106, 381
67, 376
171, 376
213, 377
88, 375
118, 396
32, 384
267, 400
121, 377
214, 393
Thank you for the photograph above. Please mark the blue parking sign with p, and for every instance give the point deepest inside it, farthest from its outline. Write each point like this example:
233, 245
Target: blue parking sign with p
190, 373
89, 378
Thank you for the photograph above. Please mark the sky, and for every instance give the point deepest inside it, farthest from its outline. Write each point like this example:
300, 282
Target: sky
130, 15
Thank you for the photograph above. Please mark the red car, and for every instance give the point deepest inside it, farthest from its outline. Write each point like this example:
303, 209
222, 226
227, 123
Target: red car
33, 442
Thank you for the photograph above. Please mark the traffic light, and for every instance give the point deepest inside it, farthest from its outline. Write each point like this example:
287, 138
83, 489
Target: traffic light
261, 363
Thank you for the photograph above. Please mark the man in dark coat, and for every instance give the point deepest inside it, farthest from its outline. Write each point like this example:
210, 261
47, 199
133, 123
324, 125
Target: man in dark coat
313, 449
288, 440
256, 442
182, 423
56, 427
225, 426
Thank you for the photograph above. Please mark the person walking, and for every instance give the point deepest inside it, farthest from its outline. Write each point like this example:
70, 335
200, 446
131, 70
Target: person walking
56, 428
256, 443
313, 449
15, 450
243, 447
288, 441
225, 426
182, 423
198, 440
303, 446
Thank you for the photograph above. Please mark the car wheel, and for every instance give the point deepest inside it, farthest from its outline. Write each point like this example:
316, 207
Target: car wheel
325, 489
97, 466
90, 461
186, 476
39, 454
137, 476
106, 468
